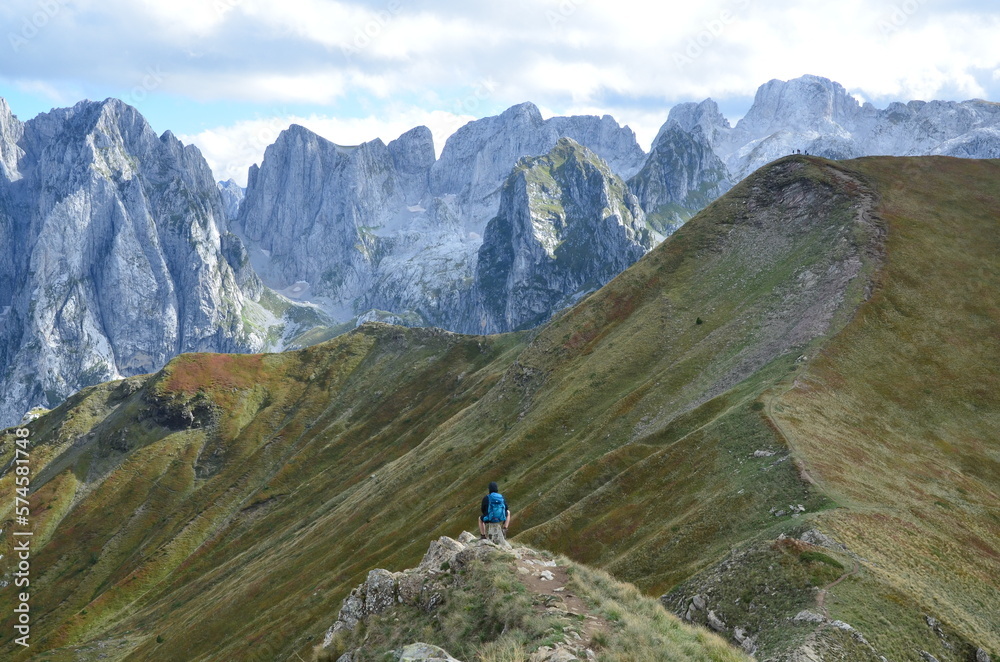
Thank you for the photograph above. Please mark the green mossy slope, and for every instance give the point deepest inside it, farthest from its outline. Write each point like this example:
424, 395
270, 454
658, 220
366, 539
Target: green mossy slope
226, 505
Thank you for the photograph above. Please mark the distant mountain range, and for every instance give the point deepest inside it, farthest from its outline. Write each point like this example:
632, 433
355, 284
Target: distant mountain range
126, 252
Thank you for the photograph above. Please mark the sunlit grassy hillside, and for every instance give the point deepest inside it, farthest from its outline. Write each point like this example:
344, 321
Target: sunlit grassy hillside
899, 417
222, 508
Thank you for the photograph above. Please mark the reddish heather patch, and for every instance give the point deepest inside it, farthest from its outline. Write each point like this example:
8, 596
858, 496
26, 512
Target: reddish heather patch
582, 338
981, 546
791, 545
192, 372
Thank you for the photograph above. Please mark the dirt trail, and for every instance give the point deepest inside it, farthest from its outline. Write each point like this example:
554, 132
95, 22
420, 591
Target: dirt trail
554, 593
821, 596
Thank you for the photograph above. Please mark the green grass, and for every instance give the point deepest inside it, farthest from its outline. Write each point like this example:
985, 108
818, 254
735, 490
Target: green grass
641, 630
899, 413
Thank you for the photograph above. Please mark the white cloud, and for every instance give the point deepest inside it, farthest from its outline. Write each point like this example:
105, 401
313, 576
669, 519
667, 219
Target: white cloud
46, 89
630, 58
188, 17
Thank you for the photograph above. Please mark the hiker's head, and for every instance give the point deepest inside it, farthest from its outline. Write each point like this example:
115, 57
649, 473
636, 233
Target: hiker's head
494, 488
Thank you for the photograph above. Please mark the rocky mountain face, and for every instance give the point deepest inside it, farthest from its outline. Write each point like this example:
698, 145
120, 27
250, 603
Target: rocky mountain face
387, 229
818, 116
312, 208
232, 195
477, 158
566, 226
117, 255
354, 228
681, 176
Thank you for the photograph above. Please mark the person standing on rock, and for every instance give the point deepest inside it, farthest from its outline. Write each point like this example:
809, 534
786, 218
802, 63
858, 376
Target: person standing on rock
495, 509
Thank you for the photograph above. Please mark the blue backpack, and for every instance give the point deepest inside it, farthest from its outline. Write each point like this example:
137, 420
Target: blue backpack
497, 510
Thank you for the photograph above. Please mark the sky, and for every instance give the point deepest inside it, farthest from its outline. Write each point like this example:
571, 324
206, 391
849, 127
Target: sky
230, 75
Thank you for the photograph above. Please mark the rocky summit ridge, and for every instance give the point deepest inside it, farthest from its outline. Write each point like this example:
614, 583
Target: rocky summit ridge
818, 116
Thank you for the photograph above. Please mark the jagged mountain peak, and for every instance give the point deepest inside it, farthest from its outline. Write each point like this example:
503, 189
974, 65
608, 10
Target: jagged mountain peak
298, 133
413, 155
807, 103
123, 262
418, 134
88, 115
565, 148
478, 157
525, 111
704, 115
682, 175
566, 225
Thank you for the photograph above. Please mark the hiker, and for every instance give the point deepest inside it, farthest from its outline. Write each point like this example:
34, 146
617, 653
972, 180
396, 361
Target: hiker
495, 509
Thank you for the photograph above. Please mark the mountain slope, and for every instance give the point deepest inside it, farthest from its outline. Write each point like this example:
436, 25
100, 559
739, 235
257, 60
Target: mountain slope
660, 429
897, 418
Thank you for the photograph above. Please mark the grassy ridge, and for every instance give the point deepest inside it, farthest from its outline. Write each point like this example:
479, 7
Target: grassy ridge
900, 415
223, 508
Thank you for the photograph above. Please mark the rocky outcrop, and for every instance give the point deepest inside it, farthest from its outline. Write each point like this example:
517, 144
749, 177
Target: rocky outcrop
120, 262
681, 176
566, 226
446, 577
420, 587
478, 157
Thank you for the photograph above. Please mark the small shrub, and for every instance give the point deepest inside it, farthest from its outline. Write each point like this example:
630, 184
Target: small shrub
820, 557
698, 321
159, 639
